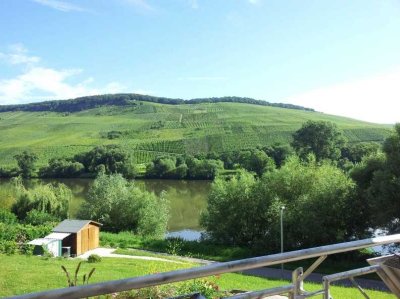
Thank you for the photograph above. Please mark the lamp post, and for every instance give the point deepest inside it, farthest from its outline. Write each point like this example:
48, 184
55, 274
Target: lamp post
282, 209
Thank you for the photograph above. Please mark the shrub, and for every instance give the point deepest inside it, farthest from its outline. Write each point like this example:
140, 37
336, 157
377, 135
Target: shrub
35, 217
49, 198
119, 205
205, 287
7, 217
62, 168
8, 247
94, 258
26, 163
108, 159
174, 246
19, 235
319, 199
239, 213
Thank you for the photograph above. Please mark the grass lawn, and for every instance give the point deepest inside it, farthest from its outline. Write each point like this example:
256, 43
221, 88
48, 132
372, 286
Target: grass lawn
23, 274
136, 245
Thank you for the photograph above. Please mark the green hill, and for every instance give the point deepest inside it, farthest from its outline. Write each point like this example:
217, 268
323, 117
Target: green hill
149, 128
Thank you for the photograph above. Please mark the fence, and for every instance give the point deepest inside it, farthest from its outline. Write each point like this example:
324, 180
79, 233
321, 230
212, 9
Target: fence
294, 290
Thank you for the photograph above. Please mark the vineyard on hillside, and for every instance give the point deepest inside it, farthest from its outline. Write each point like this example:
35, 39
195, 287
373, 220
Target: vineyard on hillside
148, 130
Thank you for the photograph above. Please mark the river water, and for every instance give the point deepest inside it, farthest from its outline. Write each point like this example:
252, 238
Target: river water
187, 200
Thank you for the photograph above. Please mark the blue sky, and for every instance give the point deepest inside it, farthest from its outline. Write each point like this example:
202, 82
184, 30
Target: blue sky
340, 57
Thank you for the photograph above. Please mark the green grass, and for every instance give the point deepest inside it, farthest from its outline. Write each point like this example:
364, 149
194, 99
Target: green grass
203, 250
157, 129
22, 274
130, 244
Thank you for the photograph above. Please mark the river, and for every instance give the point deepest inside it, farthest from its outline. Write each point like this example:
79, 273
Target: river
187, 200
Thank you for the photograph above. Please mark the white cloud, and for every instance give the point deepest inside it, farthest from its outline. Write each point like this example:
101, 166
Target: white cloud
60, 5
40, 83
37, 82
18, 55
374, 99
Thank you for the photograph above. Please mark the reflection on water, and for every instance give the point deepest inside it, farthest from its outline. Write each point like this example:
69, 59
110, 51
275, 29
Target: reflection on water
187, 198
185, 234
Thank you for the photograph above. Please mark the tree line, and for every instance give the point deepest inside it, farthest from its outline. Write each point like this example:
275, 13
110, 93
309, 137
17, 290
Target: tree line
130, 99
323, 139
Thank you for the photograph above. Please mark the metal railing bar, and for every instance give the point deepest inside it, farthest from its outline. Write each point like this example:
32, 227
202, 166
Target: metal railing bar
263, 293
313, 267
348, 275
388, 280
352, 273
359, 287
312, 294
208, 270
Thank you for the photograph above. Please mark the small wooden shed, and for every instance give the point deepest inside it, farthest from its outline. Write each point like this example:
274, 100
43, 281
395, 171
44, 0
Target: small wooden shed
82, 235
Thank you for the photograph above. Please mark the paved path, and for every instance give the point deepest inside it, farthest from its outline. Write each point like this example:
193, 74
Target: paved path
108, 252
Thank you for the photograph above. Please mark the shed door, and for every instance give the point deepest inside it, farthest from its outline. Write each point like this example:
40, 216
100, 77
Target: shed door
92, 237
84, 240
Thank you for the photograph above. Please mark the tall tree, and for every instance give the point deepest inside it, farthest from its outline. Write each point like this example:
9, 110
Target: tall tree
321, 207
383, 191
26, 163
321, 138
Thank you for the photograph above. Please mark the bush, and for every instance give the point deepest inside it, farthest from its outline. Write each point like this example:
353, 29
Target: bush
240, 213
119, 205
108, 159
94, 258
180, 168
8, 247
35, 217
62, 168
321, 207
50, 199
7, 217
205, 287
21, 234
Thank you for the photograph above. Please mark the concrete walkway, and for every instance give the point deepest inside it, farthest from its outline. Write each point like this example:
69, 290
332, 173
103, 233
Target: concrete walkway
108, 252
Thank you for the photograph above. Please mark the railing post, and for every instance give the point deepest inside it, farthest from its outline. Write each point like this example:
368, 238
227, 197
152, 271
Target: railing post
297, 282
327, 294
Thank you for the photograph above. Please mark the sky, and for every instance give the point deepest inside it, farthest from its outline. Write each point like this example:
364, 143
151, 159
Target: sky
339, 57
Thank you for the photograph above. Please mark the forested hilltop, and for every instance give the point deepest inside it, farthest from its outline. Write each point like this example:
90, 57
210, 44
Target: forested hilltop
90, 102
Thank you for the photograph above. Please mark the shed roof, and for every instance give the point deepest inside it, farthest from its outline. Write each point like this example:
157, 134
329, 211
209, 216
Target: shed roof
57, 236
73, 226
41, 241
